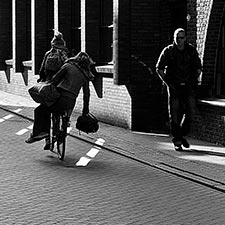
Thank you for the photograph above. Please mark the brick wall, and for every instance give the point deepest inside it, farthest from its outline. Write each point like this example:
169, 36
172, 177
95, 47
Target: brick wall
204, 31
210, 123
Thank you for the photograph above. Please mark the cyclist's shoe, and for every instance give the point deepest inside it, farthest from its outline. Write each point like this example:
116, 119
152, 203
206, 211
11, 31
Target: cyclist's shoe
185, 143
38, 137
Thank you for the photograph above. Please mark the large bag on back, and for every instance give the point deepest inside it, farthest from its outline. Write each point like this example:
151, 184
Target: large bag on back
44, 93
55, 59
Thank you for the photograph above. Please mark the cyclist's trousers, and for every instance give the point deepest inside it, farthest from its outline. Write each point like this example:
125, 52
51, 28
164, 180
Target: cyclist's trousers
42, 114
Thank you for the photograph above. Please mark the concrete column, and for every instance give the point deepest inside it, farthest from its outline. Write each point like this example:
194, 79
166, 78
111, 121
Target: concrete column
56, 15
14, 34
83, 25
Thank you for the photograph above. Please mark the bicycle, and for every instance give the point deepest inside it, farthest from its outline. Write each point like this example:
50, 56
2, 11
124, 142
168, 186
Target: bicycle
58, 133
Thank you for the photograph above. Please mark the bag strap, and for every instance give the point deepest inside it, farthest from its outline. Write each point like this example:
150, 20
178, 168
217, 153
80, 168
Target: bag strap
92, 116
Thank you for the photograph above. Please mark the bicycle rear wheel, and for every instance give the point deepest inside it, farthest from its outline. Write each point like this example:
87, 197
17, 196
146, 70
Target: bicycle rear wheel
53, 130
61, 136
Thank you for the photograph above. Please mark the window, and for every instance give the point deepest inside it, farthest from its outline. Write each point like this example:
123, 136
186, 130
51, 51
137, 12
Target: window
106, 31
220, 69
50, 21
76, 27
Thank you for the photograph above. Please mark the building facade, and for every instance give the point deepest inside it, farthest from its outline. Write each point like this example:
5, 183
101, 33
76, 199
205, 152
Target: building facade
125, 38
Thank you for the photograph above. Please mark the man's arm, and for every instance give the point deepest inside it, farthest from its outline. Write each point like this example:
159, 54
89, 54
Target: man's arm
161, 65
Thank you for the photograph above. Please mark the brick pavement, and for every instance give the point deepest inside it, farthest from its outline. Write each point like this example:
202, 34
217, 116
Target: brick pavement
39, 189
36, 188
204, 161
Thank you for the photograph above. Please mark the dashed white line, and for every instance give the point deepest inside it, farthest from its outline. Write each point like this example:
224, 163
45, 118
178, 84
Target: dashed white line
21, 132
93, 152
8, 116
18, 110
30, 127
84, 160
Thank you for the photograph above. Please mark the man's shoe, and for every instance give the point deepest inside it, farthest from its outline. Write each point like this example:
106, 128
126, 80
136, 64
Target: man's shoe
39, 137
185, 143
178, 148
177, 144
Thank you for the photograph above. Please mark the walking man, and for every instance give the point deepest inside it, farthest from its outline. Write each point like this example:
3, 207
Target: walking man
179, 67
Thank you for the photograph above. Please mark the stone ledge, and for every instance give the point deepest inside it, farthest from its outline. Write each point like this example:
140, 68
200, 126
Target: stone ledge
27, 63
220, 102
105, 69
9, 62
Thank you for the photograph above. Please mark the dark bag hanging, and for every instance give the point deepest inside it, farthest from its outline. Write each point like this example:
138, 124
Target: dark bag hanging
87, 123
44, 93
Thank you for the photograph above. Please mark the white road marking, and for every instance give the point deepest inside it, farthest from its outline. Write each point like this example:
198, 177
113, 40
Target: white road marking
18, 110
8, 116
93, 152
30, 127
21, 132
84, 160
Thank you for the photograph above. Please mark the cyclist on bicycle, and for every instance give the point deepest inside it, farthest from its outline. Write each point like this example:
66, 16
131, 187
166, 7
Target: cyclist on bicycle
73, 75
52, 62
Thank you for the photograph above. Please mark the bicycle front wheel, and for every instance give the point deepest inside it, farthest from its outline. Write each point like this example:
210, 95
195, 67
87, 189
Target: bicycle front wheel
61, 147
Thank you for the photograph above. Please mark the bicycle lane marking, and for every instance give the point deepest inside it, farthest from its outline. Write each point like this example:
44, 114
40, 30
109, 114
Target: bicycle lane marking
91, 154
9, 115
23, 131
6, 118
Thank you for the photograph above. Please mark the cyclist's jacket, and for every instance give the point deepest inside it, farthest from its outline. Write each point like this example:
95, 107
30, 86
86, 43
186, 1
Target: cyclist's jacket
180, 65
70, 79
